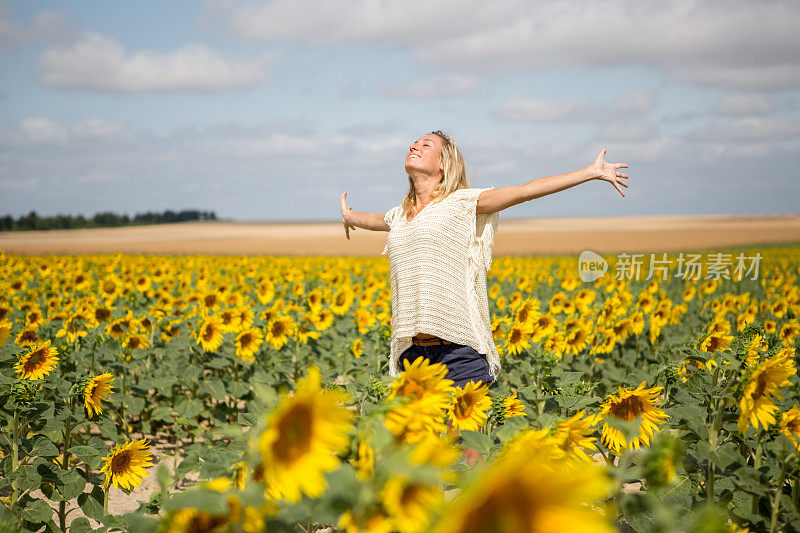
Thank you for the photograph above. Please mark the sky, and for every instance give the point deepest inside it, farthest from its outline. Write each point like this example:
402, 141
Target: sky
270, 110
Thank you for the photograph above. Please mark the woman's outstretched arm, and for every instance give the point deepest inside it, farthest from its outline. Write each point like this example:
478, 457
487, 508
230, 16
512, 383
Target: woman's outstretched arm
498, 199
353, 219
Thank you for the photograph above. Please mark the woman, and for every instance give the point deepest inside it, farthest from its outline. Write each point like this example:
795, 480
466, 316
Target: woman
440, 247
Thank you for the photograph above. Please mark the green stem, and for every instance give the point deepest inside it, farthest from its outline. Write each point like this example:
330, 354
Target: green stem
776, 502
15, 460
713, 436
757, 465
105, 500
62, 505
122, 416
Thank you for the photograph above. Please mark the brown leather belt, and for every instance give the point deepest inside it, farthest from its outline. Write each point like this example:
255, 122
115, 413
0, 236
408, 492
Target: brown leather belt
434, 341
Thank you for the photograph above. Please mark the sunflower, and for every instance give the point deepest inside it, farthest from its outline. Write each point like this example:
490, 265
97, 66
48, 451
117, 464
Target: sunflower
470, 405
373, 519
576, 339
125, 466
574, 435
715, 342
757, 405
517, 339
210, 334
34, 317
297, 447
512, 406
72, 329
500, 325
324, 319
228, 318
753, 349
342, 301
364, 320
96, 390
788, 332
790, 425
119, 328
626, 405
279, 330
265, 292
5, 310
247, 343
244, 318
409, 504
305, 331
529, 489
5, 331
27, 337
364, 461
357, 347
543, 325
135, 342
417, 420
421, 379
37, 363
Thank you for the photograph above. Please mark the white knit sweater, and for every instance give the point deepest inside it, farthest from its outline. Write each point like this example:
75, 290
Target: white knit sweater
437, 264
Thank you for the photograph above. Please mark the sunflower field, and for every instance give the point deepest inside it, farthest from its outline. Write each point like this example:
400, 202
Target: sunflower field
662, 404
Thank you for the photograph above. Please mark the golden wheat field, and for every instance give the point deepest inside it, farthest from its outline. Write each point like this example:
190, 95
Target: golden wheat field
233, 391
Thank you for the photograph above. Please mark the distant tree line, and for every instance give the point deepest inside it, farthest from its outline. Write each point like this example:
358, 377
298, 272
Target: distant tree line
106, 219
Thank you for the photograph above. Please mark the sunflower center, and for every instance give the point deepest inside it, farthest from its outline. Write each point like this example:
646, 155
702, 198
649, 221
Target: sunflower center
463, 406
120, 462
627, 409
246, 340
277, 329
761, 386
35, 360
208, 334
295, 434
516, 336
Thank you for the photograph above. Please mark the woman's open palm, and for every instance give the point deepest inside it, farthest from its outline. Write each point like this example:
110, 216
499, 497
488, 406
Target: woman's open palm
608, 171
345, 215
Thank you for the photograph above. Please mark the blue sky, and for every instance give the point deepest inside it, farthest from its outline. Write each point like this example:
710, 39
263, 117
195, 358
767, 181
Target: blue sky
269, 110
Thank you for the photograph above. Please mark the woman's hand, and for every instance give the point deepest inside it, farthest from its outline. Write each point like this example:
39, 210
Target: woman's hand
346, 216
608, 171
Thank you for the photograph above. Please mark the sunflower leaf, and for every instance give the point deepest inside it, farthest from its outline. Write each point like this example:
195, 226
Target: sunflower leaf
479, 441
87, 454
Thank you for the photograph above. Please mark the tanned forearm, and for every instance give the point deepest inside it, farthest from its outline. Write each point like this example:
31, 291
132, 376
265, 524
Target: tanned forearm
503, 197
370, 221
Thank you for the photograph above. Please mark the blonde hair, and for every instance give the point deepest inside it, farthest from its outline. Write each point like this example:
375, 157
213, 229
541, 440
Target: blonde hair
454, 175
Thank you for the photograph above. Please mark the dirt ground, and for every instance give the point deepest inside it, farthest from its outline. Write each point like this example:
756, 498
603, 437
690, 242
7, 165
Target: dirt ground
514, 237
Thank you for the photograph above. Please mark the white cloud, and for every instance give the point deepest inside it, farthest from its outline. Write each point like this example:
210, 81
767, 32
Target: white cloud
531, 110
748, 130
739, 44
39, 132
628, 131
346, 21
45, 26
446, 86
535, 110
99, 63
745, 104
42, 130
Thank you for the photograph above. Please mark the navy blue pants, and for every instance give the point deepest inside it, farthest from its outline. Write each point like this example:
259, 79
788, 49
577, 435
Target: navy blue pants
463, 362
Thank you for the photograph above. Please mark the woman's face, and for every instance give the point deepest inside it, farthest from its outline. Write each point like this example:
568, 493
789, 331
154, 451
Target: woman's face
424, 156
